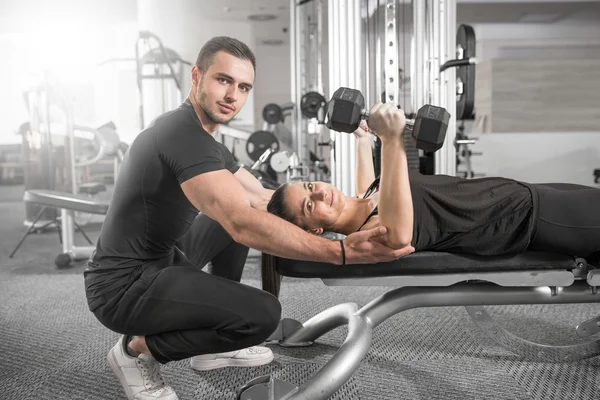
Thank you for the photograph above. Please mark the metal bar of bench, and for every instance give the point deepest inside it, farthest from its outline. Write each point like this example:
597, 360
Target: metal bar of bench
361, 323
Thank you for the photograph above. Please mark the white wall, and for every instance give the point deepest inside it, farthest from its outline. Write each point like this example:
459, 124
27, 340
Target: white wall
539, 156
12, 82
273, 78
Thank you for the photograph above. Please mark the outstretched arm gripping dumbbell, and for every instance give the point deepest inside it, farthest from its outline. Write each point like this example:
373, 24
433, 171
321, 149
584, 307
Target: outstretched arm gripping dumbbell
347, 108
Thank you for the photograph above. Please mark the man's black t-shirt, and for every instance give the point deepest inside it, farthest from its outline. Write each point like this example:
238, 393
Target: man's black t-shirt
149, 211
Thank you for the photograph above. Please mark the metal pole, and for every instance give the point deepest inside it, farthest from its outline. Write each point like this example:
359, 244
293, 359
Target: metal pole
365, 23
418, 68
391, 53
357, 55
435, 47
333, 48
449, 85
443, 84
343, 73
319, 61
319, 42
140, 82
378, 54
295, 73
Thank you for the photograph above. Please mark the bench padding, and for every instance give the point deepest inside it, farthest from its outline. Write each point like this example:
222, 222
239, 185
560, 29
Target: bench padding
427, 262
51, 198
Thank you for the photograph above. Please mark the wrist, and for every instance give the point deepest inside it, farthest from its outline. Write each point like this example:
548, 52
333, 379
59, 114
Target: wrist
392, 140
364, 140
343, 252
335, 252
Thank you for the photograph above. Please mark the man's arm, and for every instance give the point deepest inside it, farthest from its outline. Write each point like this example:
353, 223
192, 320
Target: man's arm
258, 195
365, 170
219, 195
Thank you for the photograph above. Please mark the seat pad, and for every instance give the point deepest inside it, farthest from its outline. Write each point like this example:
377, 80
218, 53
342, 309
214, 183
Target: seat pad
429, 262
51, 198
92, 188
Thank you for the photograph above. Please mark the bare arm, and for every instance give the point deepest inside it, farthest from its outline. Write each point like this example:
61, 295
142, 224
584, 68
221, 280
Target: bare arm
220, 195
258, 195
395, 199
365, 170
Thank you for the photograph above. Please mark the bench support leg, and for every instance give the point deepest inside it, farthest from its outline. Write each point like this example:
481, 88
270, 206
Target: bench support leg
31, 229
70, 251
361, 323
528, 349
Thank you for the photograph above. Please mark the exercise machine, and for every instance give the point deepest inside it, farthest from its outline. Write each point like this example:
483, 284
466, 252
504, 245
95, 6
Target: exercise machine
165, 68
51, 142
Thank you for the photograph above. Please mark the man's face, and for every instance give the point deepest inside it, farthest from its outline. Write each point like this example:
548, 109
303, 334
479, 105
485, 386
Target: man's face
223, 89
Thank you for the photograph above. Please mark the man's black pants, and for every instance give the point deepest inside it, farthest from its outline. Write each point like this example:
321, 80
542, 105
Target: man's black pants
180, 309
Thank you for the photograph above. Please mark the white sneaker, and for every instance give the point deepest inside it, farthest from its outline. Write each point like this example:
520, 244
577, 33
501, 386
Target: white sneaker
140, 376
249, 357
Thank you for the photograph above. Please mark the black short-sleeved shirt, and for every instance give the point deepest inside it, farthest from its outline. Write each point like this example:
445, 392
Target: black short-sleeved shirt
486, 216
149, 211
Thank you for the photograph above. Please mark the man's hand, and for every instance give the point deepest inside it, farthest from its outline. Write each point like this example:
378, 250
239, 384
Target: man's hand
387, 121
361, 249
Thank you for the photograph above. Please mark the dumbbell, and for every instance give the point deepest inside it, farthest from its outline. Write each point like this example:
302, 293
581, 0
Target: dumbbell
347, 108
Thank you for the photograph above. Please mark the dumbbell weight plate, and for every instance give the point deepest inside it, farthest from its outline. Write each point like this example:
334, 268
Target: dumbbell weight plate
259, 142
311, 103
272, 113
431, 124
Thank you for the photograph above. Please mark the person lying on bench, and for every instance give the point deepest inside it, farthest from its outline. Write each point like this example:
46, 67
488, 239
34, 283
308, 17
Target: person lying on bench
486, 216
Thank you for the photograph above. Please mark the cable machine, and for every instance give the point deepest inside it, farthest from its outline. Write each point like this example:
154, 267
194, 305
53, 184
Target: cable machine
165, 68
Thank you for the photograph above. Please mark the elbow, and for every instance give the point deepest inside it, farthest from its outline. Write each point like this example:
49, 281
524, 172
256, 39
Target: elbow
398, 240
236, 232
399, 244
240, 232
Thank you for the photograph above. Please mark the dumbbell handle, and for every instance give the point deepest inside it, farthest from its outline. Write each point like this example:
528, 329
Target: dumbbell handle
410, 123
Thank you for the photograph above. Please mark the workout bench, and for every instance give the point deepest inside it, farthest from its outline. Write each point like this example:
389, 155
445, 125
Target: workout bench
68, 204
432, 279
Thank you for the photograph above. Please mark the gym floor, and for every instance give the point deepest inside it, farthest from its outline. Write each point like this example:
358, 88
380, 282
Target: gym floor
52, 347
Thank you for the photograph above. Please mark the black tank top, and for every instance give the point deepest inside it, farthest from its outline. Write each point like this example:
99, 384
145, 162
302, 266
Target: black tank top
484, 216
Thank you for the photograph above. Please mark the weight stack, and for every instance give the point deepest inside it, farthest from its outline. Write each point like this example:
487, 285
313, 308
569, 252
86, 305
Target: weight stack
412, 154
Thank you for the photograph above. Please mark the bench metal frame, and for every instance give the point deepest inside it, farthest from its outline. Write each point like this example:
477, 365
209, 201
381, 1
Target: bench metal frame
471, 289
68, 204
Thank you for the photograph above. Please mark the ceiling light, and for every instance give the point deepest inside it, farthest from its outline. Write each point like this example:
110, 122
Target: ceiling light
540, 17
272, 42
261, 17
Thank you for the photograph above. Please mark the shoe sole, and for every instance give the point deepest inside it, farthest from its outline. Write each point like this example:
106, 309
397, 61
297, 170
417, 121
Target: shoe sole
114, 366
207, 365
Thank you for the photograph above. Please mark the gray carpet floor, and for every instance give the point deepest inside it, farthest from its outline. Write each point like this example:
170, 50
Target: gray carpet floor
52, 347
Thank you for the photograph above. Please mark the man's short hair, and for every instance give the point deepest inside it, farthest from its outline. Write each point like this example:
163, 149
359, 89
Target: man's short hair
226, 44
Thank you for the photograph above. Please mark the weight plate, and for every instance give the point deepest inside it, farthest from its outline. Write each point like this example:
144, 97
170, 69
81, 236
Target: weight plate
465, 75
272, 113
311, 103
259, 142
280, 161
